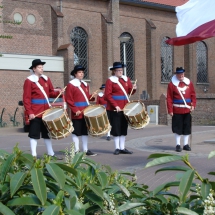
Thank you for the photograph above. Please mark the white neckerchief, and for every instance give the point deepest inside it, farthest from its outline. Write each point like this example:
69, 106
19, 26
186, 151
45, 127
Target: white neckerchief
34, 78
77, 83
100, 94
115, 79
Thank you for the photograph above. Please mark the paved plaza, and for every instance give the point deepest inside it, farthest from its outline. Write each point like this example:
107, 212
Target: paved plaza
152, 139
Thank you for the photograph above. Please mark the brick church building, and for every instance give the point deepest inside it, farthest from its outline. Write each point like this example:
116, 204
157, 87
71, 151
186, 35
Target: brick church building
87, 32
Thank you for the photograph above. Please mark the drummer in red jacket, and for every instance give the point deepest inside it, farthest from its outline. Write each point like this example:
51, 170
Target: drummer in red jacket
101, 101
37, 89
77, 98
117, 89
181, 101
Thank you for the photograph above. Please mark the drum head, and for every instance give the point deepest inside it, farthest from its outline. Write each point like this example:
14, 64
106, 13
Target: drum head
93, 110
133, 108
52, 114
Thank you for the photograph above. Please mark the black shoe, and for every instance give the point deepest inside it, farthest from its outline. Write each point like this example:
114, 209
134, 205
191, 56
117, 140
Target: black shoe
108, 138
116, 152
89, 153
77, 152
178, 148
187, 148
125, 151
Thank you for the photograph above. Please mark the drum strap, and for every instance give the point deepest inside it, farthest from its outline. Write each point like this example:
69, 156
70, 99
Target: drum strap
44, 93
185, 103
84, 95
123, 90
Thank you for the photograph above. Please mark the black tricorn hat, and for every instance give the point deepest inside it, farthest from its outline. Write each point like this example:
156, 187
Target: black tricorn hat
117, 65
77, 68
179, 70
102, 87
36, 62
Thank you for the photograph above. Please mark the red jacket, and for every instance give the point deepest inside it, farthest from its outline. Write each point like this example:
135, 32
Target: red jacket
75, 98
113, 93
174, 97
101, 99
33, 99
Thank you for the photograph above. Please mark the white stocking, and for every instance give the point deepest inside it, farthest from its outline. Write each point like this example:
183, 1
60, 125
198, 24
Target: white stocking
33, 144
108, 134
186, 138
76, 141
48, 143
116, 141
84, 142
177, 138
122, 142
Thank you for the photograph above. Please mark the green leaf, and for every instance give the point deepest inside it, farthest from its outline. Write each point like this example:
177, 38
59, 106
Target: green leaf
39, 184
74, 212
164, 186
67, 168
16, 182
124, 189
173, 168
186, 211
28, 160
52, 210
5, 210
33, 201
162, 160
205, 190
185, 184
70, 202
128, 206
6, 165
94, 198
212, 154
77, 159
96, 189
57, 173
103, 179
158, 155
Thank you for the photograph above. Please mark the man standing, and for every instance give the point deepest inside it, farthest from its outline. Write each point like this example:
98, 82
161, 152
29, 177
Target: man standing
77, 98
181, 101
37, 89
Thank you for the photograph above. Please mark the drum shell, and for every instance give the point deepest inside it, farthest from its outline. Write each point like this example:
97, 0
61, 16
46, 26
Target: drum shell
59, 127
138, 120
97, 125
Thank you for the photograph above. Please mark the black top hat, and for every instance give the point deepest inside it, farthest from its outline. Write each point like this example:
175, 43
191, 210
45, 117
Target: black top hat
36, 62
77, 68
179, 70
117, 65
102, 87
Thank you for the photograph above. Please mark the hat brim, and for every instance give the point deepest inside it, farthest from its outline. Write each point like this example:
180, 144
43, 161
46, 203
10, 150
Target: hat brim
117, 67
41, 63
76, 70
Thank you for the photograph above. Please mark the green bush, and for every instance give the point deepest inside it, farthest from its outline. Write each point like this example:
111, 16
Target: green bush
81, 186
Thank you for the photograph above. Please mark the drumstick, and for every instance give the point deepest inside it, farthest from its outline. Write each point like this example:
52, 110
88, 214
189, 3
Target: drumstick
59, 94
132, 88
40, 113
93, 94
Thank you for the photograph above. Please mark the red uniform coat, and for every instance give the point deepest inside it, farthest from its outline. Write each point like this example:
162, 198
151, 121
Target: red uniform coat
101, 99
173, 96
113, 93
33, 99
75, 98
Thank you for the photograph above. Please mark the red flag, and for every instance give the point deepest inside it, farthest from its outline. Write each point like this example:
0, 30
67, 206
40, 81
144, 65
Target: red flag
196, 22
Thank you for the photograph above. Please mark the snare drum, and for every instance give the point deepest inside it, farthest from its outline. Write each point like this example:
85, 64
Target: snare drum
57, 122
136, 115
96, 120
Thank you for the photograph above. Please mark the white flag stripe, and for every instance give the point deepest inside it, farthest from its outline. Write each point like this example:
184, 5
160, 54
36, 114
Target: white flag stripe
193, 14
